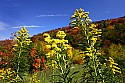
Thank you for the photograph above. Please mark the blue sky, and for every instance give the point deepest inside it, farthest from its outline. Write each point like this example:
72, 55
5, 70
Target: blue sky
43, 15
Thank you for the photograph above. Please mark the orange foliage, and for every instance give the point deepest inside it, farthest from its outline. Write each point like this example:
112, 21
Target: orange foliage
111, 27
32, 52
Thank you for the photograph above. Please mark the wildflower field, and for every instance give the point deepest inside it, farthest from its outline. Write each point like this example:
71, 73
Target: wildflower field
85, 52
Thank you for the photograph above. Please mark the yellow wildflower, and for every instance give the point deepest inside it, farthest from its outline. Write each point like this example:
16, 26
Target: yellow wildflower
56, 41
69, 53
51, 53
75, 14
27, 41
46, 35
61, 34
57, 49
15, 45
23, 30
47, 39
94, 39
89, 54
113, 66
54, 45
66, 46
48, 46
54, 64
48, 54
92, 26
64, 41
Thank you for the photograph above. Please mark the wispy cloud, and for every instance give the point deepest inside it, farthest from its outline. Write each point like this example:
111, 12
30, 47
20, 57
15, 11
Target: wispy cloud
30, 26
107, 12
51, 15
3, 26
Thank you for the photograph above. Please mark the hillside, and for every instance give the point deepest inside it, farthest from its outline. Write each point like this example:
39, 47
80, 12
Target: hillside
113, 31
111, 44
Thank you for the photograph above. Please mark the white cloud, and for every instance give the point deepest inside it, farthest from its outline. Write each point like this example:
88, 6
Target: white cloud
3, 26
31, 26
51, 15
107, 12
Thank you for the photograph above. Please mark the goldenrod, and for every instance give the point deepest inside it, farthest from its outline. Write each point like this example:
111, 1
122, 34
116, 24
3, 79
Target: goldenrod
47, 39
48, 46
46, 35
61, 34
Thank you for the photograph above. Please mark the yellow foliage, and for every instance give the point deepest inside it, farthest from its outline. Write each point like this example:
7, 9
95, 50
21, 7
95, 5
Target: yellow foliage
8, 75
34, 79
113, 66
78, 56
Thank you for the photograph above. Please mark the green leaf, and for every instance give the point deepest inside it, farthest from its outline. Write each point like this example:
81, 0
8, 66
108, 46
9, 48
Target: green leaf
75, 72
67, 72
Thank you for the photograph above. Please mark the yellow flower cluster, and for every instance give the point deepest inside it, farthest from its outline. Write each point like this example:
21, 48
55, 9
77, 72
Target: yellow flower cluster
114, 65
23, 30
22, 37
92, 51
69, 52
7, 75
79, 15
47, 37
61, 35
57, 46
54, 64
94, 30
34, 79
93, 34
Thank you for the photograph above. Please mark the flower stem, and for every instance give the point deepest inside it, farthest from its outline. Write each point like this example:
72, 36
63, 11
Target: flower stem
18, 65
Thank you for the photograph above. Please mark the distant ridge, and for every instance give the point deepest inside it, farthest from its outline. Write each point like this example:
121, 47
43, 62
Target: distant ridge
69, 31
99, 23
